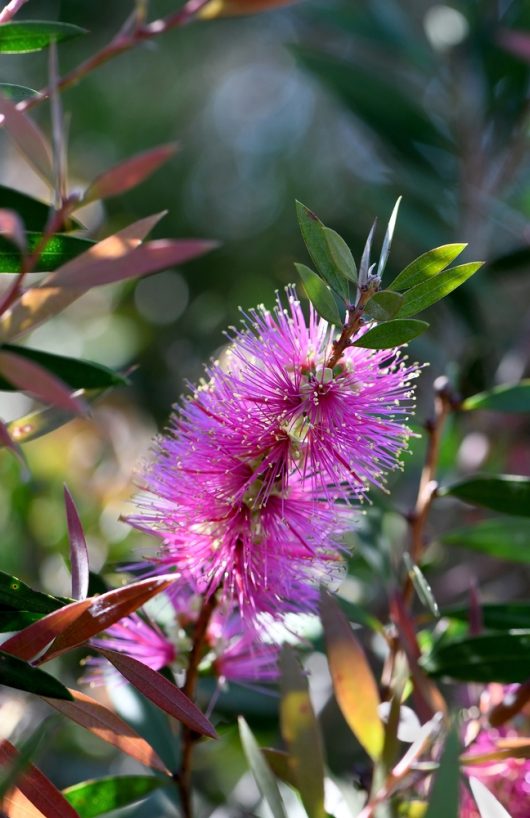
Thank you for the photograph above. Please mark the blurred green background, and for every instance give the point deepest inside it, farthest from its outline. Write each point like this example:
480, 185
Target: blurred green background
343, 104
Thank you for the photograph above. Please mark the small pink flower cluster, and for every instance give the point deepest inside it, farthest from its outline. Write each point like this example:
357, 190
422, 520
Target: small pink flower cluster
252, 488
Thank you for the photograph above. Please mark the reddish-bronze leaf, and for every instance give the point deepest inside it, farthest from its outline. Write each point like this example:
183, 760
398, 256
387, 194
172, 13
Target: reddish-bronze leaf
37, 788
161, 692
353, 681
106, 725
128, 174
31, 377
16, 805
78, 549
31, 641
28, 138
12, 228
149, 258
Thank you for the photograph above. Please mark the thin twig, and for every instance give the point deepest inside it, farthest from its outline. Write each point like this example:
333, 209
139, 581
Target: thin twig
351, 326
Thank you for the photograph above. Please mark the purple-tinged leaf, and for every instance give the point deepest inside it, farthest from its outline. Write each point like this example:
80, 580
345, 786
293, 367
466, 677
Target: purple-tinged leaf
30, 377
12, 228
78, 549
517, 42
149, 258
128, 174
7, 441
28, 138
161, 692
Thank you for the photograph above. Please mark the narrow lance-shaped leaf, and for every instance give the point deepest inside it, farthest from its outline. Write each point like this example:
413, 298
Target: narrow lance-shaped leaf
505, 398
110, 728
58, 250
317, 245
340, 254
509, 493
28, 138
78, 549
301, 734
77, 374
492, 657
427, 265
506, 538
387, 241
128, 174
488, 806
7, 441
353, 681
16, 673
421, 586
497, 617
16, 620
160, 691
319, 294
37, 788
383, 305
262, 772
390, 334
17, 93
33, 212
12, 228
16, 594
444, 798
39, 423
29, 376
429, 292
364, 267
228, 8
93, 798
34, 35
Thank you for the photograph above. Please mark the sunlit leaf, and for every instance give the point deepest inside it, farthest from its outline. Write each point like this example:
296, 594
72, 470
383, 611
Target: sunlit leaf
78, 374
387, 241
429, 292
505, 398
353, 681
78, 549
37, 788
390, 334
444, 797
58, 250
128, 174
106, 725
506, 538
16, 594
507, 493
384, 305
421, 586
488, 805
28, 137
319, 294
427, 265
492, 657
262, 772
34, 35
317, 245
93, 798
16, 673
160, 691
301, 734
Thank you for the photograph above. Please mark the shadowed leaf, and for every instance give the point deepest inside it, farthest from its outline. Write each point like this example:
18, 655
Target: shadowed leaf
31, 377
16, 673
16, 594
317, 245
340, 254
504, 398
16, 620
506, 539
76, 373
319, 294
228, 8
93, 798
78, 549
383, 305
16, 93
444, 798
509, 493
262, 772
492, 657
128, 174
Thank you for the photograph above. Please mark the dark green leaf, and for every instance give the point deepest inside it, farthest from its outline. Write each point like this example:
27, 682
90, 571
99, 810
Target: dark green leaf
77, 374
34, 35
16, 620
391, 333
384, 305
429, 292
444, 797
507, 539
486, 658
319, 294
496, 617
15, 595
33, 213
509, 493
427, 265
16, 93
503, 398
59, 249
317, 244
340, 254
262, 772
18, 674
93, 798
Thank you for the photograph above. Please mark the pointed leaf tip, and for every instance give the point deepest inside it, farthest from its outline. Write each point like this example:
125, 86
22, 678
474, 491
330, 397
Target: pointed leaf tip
78, 549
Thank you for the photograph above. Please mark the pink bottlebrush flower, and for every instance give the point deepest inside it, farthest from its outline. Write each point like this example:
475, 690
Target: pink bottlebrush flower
240, 656
136, 638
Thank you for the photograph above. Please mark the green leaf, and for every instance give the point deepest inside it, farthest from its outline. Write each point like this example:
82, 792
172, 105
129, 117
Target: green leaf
496, 616
77, 374
18, 674
444, 798
16, 595
34, 35
391, 333
429, 292
421, 586
427, 265
33, 213
301, 734
341, 254
93, 798
507, 539
319, 294
16, 93
16, 620
486, 658
317, 244
509, 493
383, 305
514, 398
262, 772
387, 241
59, 249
